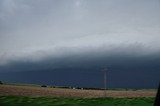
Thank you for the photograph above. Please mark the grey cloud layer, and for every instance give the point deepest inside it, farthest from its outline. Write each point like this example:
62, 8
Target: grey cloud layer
39, 29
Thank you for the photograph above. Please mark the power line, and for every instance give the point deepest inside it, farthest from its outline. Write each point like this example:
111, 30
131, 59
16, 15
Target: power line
105, 80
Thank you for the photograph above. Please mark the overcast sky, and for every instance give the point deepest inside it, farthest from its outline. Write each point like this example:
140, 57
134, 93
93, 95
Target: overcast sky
35, 29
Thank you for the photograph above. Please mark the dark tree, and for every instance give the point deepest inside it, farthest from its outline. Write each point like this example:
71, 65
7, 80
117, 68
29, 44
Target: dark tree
44, 86
1, 82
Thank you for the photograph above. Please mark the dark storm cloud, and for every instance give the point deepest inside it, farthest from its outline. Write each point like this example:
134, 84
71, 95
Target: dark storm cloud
93, 58
84, 70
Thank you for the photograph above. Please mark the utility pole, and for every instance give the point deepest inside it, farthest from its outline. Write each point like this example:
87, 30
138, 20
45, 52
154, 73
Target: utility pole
105, 80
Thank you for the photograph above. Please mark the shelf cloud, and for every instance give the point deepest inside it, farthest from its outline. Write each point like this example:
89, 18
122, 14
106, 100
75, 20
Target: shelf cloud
36, 30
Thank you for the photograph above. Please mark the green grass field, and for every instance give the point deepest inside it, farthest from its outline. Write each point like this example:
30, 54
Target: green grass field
61, 101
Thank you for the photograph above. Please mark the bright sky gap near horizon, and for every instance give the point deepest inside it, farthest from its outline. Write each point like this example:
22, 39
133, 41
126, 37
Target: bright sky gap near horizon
74, 34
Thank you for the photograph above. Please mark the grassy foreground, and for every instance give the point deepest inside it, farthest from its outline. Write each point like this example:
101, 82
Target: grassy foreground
61, 101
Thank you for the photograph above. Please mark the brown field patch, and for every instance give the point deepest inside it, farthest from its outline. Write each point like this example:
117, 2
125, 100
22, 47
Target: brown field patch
56, 92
